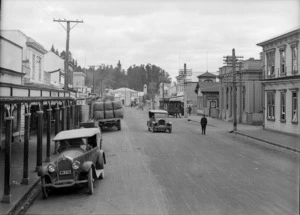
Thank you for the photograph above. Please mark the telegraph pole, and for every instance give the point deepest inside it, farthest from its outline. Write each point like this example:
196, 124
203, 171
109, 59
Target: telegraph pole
232, 61
66, 65
184, 73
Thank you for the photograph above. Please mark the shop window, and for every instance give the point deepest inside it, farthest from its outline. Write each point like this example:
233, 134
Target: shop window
294, 107
282, 106
282, 62
271, 105
271, 64
294, 50
33, 66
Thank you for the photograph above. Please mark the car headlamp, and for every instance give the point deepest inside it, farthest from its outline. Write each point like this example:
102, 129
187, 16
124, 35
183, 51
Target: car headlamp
51, 168
75, 164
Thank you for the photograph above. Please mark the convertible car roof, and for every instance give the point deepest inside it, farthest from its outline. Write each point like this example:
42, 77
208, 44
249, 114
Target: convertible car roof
158, 111
76, 133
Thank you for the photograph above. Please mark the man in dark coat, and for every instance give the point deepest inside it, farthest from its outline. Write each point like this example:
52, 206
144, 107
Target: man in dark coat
203, 123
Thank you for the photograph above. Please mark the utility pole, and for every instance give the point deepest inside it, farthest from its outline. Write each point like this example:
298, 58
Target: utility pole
241, 90
184, 73
232, 61
66, 66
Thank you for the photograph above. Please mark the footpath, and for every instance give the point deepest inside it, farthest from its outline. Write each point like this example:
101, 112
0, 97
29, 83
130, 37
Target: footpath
23, 195
276, 138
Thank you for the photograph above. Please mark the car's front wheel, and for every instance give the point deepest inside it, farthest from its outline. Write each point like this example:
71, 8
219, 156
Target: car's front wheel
90, 181
44, 189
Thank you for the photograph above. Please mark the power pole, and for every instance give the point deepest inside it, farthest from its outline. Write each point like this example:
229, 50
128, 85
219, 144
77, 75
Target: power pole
184, 73
232, 61
66, 66
241, 85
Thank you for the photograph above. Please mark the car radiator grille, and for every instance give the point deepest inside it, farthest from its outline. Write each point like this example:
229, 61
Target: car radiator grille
65, 171
161, 122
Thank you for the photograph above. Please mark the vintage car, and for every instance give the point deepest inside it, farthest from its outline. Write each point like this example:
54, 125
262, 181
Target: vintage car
80, 160
158, 122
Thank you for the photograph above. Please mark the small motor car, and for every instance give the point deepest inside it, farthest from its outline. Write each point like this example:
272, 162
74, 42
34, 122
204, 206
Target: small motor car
158, 122
80, 160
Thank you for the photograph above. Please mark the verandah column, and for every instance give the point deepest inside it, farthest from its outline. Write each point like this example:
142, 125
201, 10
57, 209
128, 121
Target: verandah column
57, 119
39, 151
49, 114
68, 115
7, 162
73, 113
63, 122
27, 114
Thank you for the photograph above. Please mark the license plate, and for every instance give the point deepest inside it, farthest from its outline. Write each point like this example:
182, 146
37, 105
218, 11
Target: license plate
65, 172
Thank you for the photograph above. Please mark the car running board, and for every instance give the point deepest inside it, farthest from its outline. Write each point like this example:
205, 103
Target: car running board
98, 172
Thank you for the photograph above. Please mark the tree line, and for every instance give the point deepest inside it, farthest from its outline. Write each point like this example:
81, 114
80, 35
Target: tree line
114, 77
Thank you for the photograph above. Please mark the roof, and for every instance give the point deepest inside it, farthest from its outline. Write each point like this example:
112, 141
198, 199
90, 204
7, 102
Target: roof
158, 111
177, 98
209, 86
206, 74
122, 89
76, 133
279, 37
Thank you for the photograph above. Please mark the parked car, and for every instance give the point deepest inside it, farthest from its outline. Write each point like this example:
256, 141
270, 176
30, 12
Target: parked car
158, 121
80, 160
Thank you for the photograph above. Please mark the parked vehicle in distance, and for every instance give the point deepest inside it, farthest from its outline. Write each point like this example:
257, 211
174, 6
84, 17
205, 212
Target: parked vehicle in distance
80, 160
158, 121
108, 113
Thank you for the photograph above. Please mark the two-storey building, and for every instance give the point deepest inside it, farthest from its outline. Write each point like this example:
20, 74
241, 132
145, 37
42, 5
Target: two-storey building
249, 103
32, 56
281, 82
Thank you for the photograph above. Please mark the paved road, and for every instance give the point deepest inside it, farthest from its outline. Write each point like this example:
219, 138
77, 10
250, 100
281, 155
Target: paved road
184, 173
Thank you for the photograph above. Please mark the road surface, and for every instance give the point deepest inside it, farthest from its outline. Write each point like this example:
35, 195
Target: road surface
183, 173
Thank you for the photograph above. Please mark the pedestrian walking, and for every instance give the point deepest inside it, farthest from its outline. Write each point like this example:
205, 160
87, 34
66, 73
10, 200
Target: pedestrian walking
203, 123
190, 110
177, 112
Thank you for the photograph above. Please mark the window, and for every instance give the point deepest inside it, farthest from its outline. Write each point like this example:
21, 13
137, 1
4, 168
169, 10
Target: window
294, 107
294, 59
282, 62
270, 64
38, 60
33, 66
282, 106
244, 98
227, 98
271, 105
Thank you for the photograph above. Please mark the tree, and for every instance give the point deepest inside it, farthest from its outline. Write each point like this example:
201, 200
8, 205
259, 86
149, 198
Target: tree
52, 48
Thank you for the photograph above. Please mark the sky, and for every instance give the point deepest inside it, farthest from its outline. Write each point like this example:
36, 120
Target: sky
166, 33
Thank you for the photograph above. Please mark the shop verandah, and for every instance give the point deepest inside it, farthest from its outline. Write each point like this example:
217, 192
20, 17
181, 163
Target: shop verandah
22, 118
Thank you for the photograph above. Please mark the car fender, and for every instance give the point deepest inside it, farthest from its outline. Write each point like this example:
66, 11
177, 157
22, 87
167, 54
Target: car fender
86, 166
42, 171
102, 153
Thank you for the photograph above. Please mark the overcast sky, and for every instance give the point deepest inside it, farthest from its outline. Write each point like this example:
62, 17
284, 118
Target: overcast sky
165, 33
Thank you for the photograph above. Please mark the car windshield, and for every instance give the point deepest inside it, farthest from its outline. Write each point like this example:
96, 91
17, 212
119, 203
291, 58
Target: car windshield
160, 115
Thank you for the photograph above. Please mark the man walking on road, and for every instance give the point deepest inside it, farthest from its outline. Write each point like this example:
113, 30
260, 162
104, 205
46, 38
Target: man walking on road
203, 123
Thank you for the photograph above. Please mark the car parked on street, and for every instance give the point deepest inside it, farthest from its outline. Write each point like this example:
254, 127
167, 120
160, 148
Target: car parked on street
158, 121
80, 160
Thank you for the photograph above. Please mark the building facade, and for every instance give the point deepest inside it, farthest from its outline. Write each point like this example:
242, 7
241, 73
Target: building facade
207, 91
281, 82
54, 69
33, 55
249, 99
11, 57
